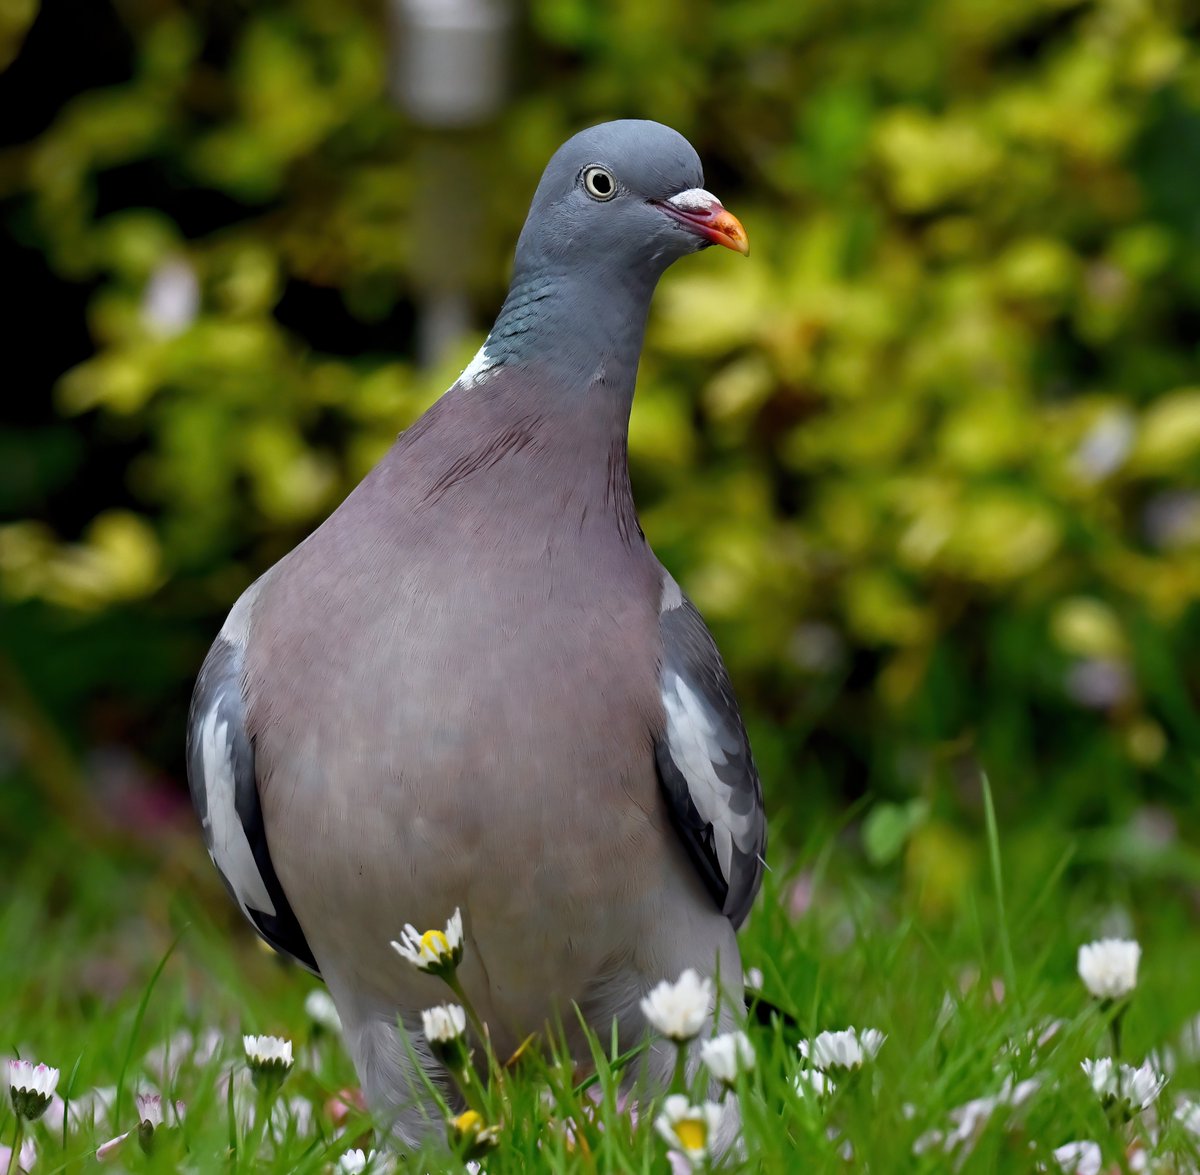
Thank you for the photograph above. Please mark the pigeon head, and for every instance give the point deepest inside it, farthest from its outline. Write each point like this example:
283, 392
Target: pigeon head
625, 196
616, 205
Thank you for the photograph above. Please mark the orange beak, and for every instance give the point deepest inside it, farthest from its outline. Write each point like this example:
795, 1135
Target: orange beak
700, 212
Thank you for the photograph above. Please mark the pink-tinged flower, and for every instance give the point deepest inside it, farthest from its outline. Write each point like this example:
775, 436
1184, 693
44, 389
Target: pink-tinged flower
90, 1108
154, 1114
31, 1087
345, 1104
25, 1160
110, 1149
799, 896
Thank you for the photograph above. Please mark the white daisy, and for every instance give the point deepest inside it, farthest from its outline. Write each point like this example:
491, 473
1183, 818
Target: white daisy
687, 1128
445, 1023
1124, 1086
152, 1114
268, 1050
678, 1010
438, 952
1080, 1158
971, 1118
727, 1055
31, 1088
471, 1134
322, 1011
813, 1083
269, 1058
355, 1162
153, 1111
1187, 1114
847, 1049
26, 1157
1109, 967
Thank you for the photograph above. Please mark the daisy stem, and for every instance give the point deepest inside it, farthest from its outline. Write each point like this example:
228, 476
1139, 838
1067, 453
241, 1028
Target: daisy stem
262, 1125
1114, 1029
679, 1080
14, 1159
455, 985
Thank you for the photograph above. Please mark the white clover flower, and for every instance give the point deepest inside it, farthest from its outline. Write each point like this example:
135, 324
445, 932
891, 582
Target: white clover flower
1124, 1086
444, 1023
687, 1128
678, 1010
31, 1088
1109, 967
1079, 1158
727, 1055
322, 1011
270, 1059
813, 1083
438, 952
847, 1049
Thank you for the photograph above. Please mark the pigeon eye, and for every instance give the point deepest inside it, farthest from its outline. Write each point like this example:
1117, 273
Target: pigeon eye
598, 182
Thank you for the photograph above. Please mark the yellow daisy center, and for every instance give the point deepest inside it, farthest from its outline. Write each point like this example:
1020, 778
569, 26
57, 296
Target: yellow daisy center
435, 942
692, 1134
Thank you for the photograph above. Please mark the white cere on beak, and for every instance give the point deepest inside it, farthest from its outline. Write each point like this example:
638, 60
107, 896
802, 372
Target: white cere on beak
695, 200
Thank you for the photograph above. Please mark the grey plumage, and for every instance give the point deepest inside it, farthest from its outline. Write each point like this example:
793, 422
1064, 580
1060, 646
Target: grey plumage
476, 686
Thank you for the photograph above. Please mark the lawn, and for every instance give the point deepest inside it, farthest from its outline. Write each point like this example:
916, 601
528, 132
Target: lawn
123, 965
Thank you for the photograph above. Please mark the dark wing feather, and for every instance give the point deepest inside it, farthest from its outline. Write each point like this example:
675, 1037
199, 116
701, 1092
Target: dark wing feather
221, 777
704, 761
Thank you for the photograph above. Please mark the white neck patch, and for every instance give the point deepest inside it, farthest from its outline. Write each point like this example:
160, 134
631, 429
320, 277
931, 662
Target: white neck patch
479, 368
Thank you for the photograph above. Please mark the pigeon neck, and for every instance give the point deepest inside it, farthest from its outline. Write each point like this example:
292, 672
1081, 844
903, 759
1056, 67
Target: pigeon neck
577, 328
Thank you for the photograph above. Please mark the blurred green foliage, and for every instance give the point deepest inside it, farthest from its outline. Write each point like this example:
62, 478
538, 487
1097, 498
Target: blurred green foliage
929, 461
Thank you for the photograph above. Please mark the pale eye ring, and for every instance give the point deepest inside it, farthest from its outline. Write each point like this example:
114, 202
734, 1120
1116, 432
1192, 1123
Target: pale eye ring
599, 183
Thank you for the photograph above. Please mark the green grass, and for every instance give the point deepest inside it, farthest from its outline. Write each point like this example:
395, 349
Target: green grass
958, 948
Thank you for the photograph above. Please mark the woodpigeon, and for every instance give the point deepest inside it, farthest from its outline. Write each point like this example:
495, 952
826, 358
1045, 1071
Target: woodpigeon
475, 686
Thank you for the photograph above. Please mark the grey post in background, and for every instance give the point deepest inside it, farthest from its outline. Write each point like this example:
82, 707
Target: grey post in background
450, 70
